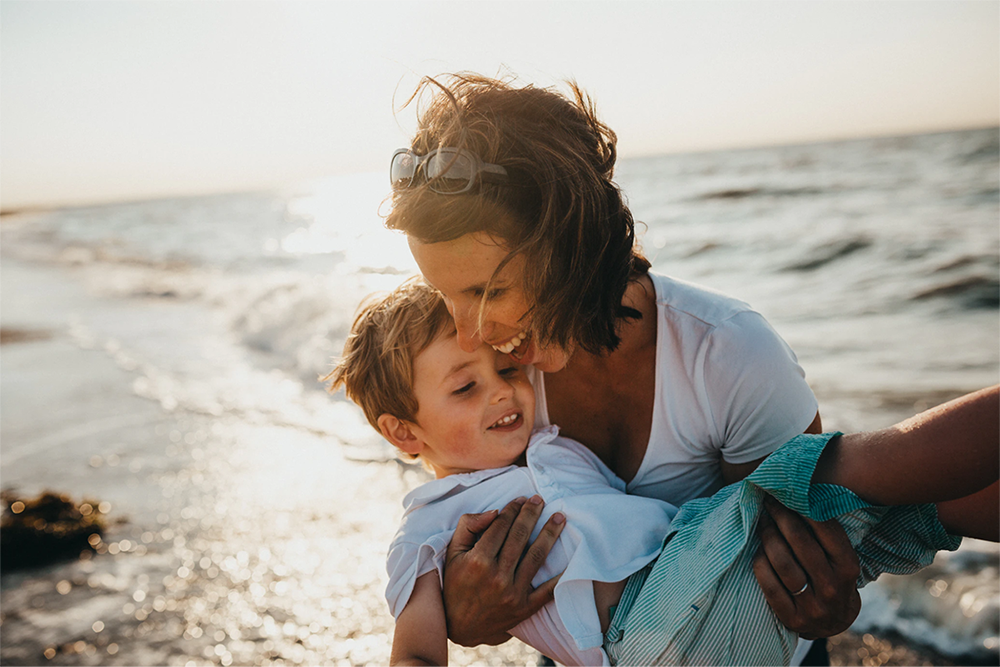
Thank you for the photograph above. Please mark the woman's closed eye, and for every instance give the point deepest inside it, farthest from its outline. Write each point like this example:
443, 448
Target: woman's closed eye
491, 295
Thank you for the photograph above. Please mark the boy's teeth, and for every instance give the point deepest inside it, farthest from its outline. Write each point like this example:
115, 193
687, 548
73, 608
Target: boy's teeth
510, 419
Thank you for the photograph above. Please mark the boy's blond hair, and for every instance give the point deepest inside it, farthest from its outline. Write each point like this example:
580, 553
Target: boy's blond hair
376, 369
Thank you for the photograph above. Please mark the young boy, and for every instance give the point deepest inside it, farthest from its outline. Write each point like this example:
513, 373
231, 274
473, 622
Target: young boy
640, 582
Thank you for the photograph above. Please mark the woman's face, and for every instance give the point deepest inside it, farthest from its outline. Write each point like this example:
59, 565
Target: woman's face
461, 269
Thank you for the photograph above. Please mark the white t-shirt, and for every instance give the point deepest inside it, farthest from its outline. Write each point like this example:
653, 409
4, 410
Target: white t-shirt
608, 536
727, 387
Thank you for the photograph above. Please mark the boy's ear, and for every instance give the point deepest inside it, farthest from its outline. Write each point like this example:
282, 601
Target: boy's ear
399, 433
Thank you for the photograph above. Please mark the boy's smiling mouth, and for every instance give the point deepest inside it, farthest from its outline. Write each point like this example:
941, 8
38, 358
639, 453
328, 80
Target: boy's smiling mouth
508, 422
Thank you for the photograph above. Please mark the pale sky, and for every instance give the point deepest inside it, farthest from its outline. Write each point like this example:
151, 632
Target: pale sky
102, 101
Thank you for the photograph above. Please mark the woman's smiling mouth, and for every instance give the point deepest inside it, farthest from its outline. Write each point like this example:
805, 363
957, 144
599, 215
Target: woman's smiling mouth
511, 344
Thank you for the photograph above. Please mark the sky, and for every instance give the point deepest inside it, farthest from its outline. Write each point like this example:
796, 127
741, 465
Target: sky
107, 101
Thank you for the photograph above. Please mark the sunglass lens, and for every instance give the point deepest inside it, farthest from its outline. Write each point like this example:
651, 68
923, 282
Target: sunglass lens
450, 172
401, 170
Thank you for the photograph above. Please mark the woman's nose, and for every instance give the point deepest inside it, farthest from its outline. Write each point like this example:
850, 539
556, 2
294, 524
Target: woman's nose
467, 326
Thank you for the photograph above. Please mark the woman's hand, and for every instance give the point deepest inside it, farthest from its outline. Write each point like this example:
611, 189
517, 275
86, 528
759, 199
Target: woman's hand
488, 572
808, 572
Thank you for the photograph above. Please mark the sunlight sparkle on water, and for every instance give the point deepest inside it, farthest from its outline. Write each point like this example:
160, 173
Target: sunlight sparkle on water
343, 215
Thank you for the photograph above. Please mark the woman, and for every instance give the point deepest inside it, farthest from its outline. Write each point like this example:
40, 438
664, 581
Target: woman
507, 199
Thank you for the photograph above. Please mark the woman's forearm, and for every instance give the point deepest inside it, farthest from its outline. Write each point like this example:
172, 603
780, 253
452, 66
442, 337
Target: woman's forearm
976, 515
945, 453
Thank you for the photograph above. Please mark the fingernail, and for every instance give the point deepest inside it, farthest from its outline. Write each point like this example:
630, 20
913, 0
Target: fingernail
558, 518
535, 500
520, 501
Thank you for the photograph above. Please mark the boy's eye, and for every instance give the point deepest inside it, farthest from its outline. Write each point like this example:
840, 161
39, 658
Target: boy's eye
464, 389
512, 370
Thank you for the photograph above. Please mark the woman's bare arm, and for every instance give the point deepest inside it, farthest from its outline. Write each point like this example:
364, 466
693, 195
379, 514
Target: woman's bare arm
943, 454
488, 571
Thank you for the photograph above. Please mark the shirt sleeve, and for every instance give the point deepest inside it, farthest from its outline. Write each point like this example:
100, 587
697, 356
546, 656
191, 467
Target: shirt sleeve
407, 562
757, 395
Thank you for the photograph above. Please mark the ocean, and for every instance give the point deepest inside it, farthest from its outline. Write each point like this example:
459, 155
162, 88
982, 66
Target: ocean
165, 355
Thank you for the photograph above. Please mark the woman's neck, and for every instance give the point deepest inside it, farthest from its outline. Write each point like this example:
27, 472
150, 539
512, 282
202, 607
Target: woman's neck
606, 401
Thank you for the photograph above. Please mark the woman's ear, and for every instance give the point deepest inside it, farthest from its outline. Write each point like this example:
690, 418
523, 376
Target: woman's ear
399, 433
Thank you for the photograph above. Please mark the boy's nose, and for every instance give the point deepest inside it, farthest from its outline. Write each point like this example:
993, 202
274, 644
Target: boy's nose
504, 390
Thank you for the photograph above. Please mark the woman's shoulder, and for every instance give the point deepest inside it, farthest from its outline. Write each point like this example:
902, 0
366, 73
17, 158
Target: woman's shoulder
676, 298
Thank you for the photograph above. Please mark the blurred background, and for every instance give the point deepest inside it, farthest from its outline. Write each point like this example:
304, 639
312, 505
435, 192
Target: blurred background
191, 197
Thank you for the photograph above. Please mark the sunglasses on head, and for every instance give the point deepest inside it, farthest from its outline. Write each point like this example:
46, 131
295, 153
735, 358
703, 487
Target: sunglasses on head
447, 171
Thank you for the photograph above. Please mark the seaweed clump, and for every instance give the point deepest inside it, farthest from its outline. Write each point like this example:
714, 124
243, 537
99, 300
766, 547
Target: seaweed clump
51, 527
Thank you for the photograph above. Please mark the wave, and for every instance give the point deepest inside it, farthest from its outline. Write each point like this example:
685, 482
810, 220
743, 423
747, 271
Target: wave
958, 619
984, 197
745, 193
969, 291
10, 335
987, 152
828, 253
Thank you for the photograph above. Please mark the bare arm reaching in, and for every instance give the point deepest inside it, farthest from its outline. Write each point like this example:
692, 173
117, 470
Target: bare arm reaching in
949, 453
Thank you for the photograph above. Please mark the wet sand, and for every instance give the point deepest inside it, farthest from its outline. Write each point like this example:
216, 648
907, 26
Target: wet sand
236, 541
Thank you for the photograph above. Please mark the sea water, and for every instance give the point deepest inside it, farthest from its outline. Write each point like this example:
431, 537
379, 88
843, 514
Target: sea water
876, 259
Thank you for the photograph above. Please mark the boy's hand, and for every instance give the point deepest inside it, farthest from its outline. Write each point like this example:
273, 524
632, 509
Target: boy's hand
488, 571
795, 552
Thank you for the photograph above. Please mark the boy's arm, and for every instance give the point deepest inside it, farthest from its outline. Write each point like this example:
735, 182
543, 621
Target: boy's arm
945, 453
421, 634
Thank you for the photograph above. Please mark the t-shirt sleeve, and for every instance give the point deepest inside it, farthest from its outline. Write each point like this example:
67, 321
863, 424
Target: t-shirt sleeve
407, 562
757, 395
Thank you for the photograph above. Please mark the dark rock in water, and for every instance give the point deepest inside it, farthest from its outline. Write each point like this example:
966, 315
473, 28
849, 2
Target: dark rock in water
51, 527
830, 253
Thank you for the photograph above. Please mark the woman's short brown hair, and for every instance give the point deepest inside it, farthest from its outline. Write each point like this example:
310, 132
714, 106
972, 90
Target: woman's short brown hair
560, 209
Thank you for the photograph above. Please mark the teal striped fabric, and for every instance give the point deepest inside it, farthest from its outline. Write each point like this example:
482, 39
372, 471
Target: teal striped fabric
701, 605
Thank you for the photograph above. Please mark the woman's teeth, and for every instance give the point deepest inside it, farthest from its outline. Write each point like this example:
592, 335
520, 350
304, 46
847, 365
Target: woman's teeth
510, 345
506, 421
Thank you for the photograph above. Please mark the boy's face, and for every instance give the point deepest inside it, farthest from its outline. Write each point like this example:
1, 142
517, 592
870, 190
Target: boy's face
475, 409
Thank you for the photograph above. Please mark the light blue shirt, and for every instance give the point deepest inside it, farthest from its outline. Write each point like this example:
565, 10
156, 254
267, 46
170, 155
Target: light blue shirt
608, 536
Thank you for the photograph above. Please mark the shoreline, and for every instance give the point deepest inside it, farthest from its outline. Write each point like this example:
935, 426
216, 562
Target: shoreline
297, 579
234, 538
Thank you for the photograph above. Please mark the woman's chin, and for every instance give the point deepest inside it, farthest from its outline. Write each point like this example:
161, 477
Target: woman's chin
547, 360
